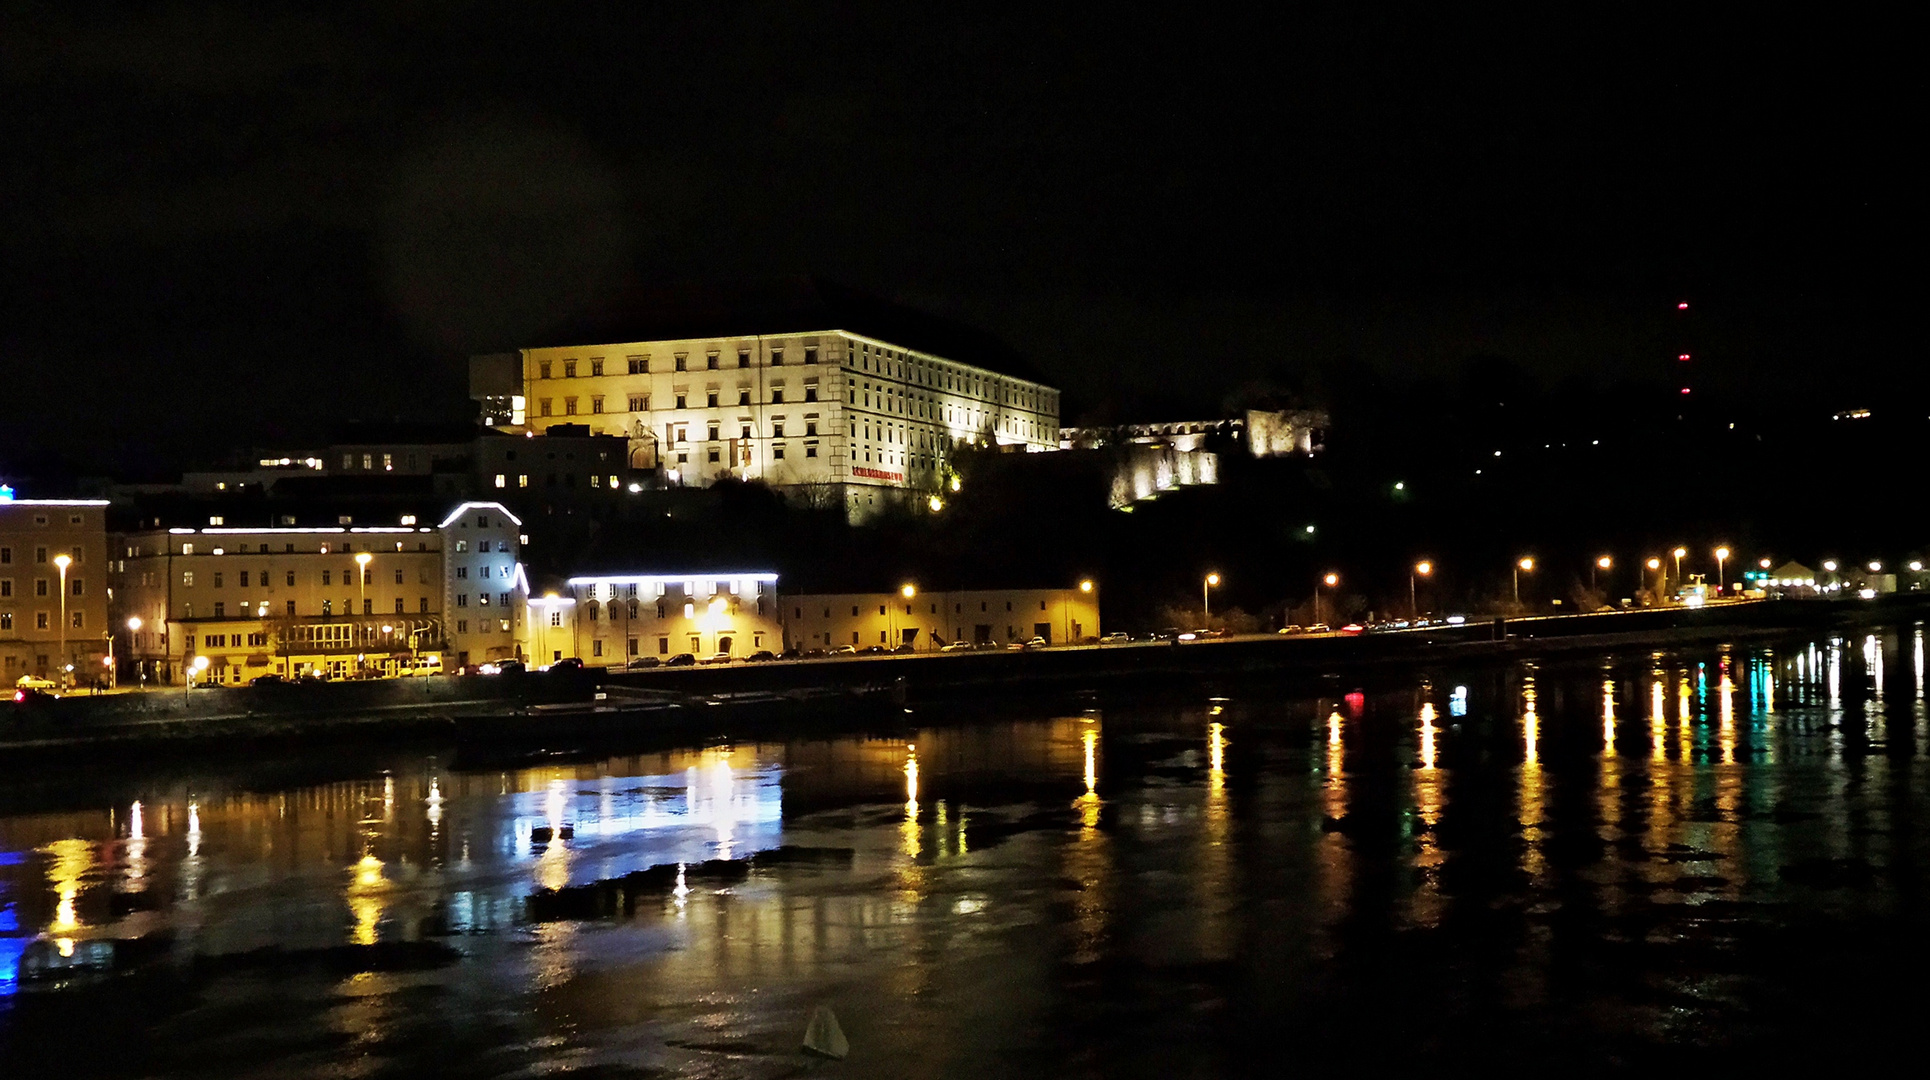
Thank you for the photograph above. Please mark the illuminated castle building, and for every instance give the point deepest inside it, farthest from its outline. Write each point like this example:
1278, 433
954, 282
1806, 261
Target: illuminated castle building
830, 396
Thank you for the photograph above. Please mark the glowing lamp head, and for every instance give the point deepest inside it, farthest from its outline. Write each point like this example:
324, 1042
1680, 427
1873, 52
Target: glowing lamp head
1212, 579
1331, 580
1526, 564
134, 622
63, 561
363, 559
1655, 564
1086, 585
1682, 307
1722, 553
1875, 567
1830, 565
1424, 568
200, 663
1764, 563
908, 591
1679, 552
1604, 562
1916, 566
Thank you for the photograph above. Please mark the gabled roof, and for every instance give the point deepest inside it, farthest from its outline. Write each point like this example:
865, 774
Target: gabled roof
793, 305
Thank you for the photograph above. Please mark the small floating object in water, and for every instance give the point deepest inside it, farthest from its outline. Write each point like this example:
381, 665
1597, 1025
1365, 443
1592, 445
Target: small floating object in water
822, 1036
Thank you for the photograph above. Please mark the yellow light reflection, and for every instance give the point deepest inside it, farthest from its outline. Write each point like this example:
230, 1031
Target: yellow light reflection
1091, 740
1726, 713
1608, 717
1215, 747
1088, 803
366, 899
1530, 723
71, 861
1427, 735
1658, 712
1427, 904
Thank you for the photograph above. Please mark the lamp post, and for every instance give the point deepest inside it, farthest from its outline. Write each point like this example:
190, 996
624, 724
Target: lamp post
63, 560
1655, 565
1722, 554
362, 560
1330, 581
1206, 607
200, 664
1065, 608
1422, 569
907, 590
1602, 563
1525, 563
1678, 553
133, 628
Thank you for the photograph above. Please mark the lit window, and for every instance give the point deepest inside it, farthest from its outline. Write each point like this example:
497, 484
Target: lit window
501, 480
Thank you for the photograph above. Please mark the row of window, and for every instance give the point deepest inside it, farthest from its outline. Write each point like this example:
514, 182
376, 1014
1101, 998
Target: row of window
344, 547
248, 578
569, 481
940, 376
641, 402
42, 555
259, 610
640, 364
43, 587
43, 520
44, 620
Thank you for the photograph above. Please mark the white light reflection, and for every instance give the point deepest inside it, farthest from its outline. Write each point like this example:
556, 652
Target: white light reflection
1427, 735
1608, 717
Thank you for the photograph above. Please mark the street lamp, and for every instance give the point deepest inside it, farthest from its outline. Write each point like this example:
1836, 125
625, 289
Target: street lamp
362, 561
1678, 553
63, 560
1722, 554
1602, 563
133, 628
200, 665
1422, 569
1065, 608
1525, 563
1206, 606
1330, 581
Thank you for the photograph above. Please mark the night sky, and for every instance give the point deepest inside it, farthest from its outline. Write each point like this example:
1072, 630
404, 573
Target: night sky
227, 226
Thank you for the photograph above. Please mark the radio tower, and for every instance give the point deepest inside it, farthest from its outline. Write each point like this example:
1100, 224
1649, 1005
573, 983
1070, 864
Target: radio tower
1682, 360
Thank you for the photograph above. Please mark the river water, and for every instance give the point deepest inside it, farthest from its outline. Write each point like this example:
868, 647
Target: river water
1706, 858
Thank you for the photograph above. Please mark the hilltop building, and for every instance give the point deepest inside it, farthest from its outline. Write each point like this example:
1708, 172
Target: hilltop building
825, 394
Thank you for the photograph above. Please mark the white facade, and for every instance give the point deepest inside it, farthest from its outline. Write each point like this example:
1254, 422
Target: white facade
830, 413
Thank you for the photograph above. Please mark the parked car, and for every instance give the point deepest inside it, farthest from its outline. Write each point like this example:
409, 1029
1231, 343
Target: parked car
1320, 628
716, 658
682, 659
761, 656
905, 649
268, 681
842, 650
1117, 637
512, 667
568, 663
642, 662
29, 696
1293, 628
34, 682
873, 650
957, 646
988, 646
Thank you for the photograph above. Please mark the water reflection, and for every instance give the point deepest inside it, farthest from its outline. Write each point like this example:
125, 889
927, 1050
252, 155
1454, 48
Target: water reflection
992, 864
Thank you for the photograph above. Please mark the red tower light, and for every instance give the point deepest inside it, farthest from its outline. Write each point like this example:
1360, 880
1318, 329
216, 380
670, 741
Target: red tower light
1685, 389
1682, 307
1684, 356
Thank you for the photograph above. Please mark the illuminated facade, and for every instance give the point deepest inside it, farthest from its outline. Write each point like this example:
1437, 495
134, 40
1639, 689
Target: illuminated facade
43, 604
612, 619
832, 416
928, 621
331, 600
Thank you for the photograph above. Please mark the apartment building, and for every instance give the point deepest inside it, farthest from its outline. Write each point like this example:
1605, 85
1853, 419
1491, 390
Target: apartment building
928, 621
615, 618
53, 588
229, 603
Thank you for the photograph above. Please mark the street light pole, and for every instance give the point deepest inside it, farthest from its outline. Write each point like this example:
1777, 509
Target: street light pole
1206, 606
62, 561
362, 561
1678, 553
1526, 563
1330, 581
1722, 555
1602, 563
1422, 568
133, 628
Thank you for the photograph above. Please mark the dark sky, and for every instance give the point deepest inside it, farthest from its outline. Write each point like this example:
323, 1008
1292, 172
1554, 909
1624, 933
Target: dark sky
229, 224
